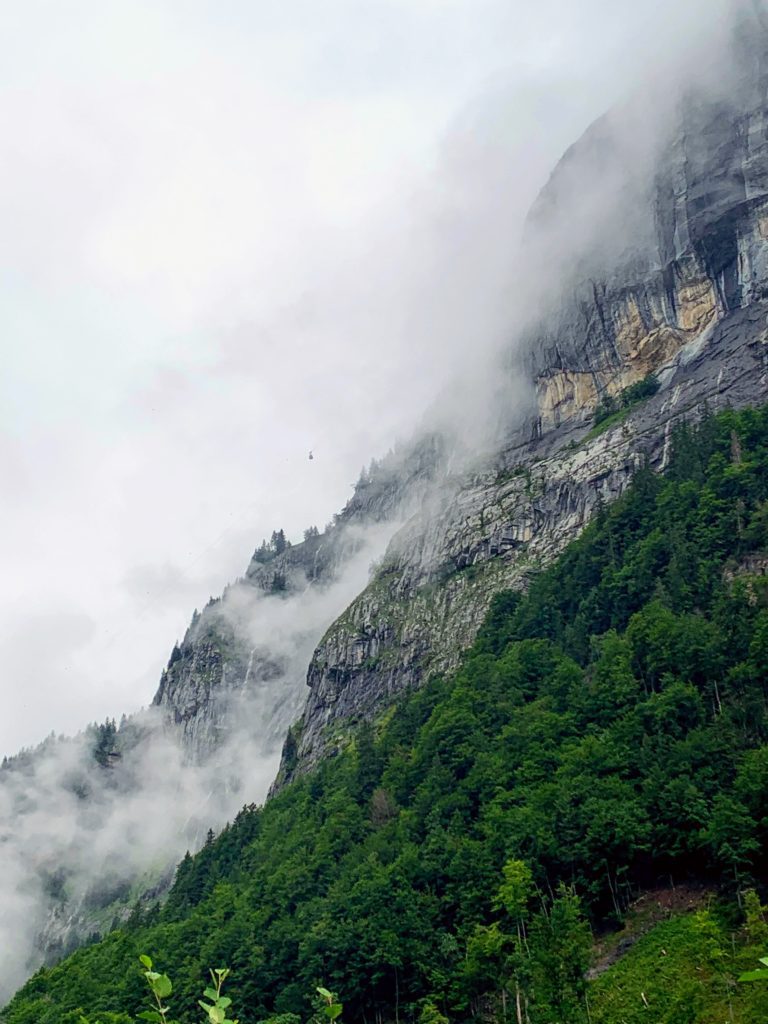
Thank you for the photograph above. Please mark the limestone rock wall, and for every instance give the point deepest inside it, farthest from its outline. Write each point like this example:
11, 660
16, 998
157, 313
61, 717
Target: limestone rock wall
225, 671
671, 279
682, 297
428, 600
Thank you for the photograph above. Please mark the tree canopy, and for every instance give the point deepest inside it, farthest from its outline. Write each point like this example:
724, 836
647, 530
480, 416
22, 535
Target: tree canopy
606, 732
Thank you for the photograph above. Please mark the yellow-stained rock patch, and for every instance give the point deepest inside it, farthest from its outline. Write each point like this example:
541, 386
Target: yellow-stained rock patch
696, 304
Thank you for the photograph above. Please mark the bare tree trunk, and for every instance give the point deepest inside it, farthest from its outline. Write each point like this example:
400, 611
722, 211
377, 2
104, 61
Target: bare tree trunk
613, 894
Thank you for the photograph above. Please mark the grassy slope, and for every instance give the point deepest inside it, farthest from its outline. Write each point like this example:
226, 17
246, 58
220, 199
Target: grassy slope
683, 970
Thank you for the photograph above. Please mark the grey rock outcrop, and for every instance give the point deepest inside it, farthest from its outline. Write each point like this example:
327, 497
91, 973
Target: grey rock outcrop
699, 254
428, 600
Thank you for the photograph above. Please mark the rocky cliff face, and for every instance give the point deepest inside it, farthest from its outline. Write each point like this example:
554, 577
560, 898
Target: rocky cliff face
244, 658
671, 280
93, 826
429, 598
691, 250
683, 297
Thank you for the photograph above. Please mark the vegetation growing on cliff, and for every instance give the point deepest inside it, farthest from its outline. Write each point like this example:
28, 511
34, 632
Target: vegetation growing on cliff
276, 546
607, 733
613, 409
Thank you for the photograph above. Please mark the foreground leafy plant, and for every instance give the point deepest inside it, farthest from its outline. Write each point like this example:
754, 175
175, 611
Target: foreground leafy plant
217, 1005
331, 1010
161, 987
217, 1008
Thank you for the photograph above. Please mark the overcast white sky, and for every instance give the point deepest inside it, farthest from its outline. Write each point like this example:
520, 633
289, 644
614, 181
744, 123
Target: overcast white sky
232, 232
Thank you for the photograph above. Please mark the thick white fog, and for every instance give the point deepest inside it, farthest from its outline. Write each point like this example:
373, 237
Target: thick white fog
234, 233
74, 837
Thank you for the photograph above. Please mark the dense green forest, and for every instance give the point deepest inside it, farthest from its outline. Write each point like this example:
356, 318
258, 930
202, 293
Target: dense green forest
606, 735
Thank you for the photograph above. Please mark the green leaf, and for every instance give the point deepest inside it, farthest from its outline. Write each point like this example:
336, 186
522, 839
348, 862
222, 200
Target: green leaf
223, 1002
151, 975
216, 1015
150, 1015
146, 960
333, 1011
325, 993
754, 976
163, 987
764, 960
210, 993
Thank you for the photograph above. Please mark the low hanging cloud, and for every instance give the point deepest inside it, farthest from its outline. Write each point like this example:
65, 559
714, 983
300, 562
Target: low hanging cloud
234, 235
82, 838
226, 273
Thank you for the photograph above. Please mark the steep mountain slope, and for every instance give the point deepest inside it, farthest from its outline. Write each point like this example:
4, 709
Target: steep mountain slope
679, 291
606, 732
669, 277
92, 826
231, 665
